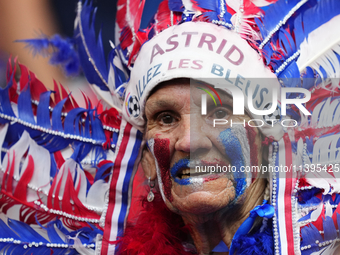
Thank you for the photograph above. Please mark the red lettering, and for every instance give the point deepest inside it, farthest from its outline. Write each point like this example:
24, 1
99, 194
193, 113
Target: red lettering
170, 67
170, 42
159, 51
188, 39
220, 48
208, 42
184, 62
198, 65
230, 52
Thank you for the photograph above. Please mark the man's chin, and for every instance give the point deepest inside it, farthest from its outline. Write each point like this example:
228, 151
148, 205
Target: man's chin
202, 198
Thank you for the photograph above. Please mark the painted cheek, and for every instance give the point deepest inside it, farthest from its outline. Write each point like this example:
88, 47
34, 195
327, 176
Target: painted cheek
251, 134
162, 155
234, 152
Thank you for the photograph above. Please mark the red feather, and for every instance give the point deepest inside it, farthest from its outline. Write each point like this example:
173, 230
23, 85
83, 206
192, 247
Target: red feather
24, 77
21, 188
157, 231
163, 17
37, 87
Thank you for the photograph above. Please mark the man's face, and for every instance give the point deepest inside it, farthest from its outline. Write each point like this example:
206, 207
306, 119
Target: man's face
185, 143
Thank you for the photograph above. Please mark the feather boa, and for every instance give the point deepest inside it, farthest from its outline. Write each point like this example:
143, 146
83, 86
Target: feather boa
158, 231
259, 242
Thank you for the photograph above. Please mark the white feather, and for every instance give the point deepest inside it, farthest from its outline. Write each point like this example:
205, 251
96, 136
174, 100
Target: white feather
324, 114
329, 210
304, 120
322, 150
261, 3
331, 114
96, 194
3, 132
316, 213
318, 50
313, 180
17, 150
336, 118
42, 165
81, 178
69, 165
333, 148
80, 247
316, 114
298, 159
188, 5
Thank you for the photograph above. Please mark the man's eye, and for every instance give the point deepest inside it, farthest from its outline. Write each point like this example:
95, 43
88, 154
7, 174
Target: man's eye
219, 114
166, 118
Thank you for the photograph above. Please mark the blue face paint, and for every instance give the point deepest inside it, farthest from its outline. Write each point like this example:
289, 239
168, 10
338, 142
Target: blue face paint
234, 152
179, 165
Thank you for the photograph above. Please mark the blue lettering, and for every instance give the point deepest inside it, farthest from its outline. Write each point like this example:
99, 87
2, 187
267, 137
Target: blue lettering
156, 71
217, 70
261, 97
227, 76
238, 81
149, 76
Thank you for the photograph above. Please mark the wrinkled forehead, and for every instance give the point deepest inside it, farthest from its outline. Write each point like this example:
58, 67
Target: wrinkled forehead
199, 51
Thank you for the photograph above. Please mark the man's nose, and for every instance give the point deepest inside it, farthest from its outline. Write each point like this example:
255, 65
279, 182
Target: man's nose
190, 137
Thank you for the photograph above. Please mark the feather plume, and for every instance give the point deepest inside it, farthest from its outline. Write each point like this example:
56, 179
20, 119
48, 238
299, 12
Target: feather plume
321, 51
63, 51
91, 52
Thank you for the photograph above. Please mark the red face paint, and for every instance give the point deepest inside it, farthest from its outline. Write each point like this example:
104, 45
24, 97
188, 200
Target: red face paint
162, 154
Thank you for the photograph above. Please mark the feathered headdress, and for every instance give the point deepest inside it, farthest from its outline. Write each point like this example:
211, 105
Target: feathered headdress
68, 171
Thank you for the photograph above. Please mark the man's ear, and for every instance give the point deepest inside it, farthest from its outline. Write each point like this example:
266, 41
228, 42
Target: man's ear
148, 164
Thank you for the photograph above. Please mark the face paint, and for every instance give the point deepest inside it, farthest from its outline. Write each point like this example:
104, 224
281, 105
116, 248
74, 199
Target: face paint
179, 166
251, 134
161, 152
236, 146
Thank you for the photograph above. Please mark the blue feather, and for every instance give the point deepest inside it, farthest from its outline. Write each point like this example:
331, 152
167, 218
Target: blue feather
176, 6
54, 168
27, 234
63, 52
102, 170
256, 243
25, 110
291, 75
208, 5
276, 13
308, 78
309, 235
5, 106
43, 111
97, 128
70, 126
56, 115
91, 53
329, 229
119, 75
308, 197
318, 15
